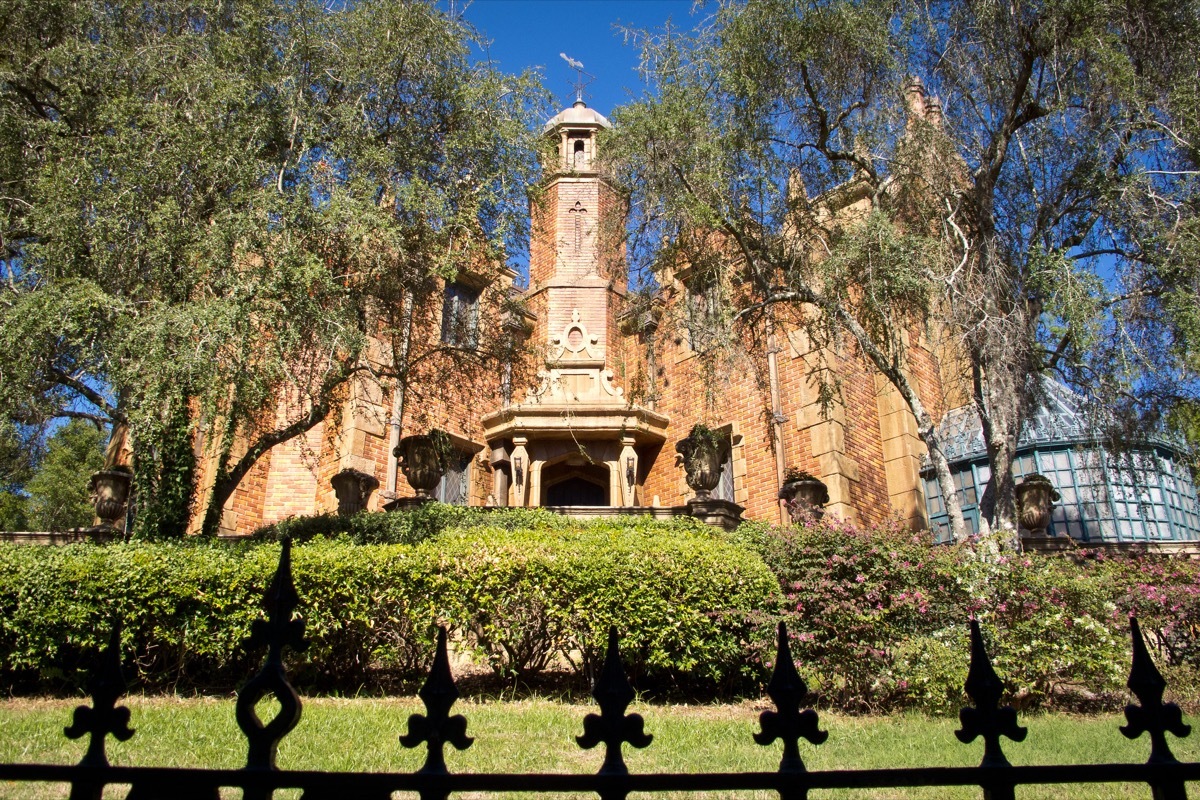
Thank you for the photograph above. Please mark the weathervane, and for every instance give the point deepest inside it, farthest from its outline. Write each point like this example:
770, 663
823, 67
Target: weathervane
579, 83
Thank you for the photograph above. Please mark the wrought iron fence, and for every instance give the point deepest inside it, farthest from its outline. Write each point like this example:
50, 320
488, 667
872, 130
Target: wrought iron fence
613, 728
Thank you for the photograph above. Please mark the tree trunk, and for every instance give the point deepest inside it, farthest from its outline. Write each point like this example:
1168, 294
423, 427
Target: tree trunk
228, 480
999, 407
399, 393
926, 426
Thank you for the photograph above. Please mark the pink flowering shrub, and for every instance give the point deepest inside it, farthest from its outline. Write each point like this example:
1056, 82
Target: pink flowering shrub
879, 618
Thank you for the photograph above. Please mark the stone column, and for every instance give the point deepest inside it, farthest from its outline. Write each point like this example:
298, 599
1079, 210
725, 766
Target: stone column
521, 472
628, 493
902, 450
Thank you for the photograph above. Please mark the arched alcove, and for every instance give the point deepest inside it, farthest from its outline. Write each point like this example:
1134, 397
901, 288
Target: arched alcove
566, 484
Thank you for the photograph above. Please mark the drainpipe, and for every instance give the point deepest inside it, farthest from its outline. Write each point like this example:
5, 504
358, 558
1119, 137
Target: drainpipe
398, 394
777, 417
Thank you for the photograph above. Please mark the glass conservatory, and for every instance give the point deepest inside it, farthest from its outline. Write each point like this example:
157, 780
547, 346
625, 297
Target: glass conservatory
1145, 496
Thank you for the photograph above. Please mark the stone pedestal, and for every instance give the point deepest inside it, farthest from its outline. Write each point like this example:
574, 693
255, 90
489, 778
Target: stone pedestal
1047, 544
406, 503
718, 513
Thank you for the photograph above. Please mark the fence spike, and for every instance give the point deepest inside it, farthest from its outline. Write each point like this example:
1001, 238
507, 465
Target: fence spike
788, 690
106, 685
277, 631
1153, 716
612, 725
987, 719
436, 727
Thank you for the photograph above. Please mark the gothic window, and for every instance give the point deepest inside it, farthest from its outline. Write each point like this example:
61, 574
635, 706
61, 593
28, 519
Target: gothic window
703, 316
724, 489
455, 487
577, 214
460, 316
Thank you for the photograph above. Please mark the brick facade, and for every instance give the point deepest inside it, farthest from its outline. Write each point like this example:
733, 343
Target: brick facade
615, 389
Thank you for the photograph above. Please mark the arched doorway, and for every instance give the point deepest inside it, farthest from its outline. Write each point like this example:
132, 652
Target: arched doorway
576, 491
576, 485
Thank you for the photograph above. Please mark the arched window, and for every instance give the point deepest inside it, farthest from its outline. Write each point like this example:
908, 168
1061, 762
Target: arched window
580, 153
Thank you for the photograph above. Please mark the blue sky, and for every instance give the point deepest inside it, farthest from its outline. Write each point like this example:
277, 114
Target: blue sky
532, 33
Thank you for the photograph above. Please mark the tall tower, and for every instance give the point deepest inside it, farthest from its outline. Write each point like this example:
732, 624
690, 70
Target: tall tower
574, 260
575, 439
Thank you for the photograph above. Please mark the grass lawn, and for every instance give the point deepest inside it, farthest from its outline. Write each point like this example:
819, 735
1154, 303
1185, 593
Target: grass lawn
538, 736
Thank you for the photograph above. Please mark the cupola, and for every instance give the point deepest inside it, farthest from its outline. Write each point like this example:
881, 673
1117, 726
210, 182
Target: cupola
575, 129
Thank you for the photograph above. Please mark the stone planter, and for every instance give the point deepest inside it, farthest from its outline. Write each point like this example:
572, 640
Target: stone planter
805, 495
421, 462
1036, 497
109, 490
353, 490
702, 465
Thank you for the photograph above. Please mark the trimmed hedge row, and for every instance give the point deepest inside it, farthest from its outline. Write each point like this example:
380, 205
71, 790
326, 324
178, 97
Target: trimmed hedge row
878, 618
418, 524
683, 600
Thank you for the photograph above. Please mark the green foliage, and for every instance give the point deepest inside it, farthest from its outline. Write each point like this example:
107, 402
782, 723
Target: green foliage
14, 511
58, 491
1046, 232
208, 205
165, 490
878, 617
18, 458
684, 601
410, 527
797, 474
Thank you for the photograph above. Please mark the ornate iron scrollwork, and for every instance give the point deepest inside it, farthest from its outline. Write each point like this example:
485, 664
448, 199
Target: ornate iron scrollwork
612, 725
1153, 716
277, 631
106, 686
788, 690
987, 719
436, 727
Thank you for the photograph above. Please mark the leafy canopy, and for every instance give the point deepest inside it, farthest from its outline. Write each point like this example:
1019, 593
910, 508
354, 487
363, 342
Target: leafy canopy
202, 201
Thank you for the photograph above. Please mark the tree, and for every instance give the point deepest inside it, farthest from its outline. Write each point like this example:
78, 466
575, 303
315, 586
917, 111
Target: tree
1076, 210
1041, 221
18, 460
769, 161
206, 204
58, 491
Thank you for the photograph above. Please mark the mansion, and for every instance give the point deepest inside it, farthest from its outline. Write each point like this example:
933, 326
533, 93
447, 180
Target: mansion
618, 383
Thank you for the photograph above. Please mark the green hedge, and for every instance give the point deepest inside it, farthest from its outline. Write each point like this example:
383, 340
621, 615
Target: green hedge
684, 601
416, 525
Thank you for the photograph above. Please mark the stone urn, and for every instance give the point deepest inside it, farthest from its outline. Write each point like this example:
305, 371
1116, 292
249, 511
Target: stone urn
804, 494
109, 490
1036, 497
702, 462
353, 489
422, 461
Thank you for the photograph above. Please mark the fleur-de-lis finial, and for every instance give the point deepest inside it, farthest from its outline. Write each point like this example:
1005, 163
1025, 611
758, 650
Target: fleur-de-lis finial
106, 685
1153, 716
788, 690
987, 718
436, 727
277, 631
612, 725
